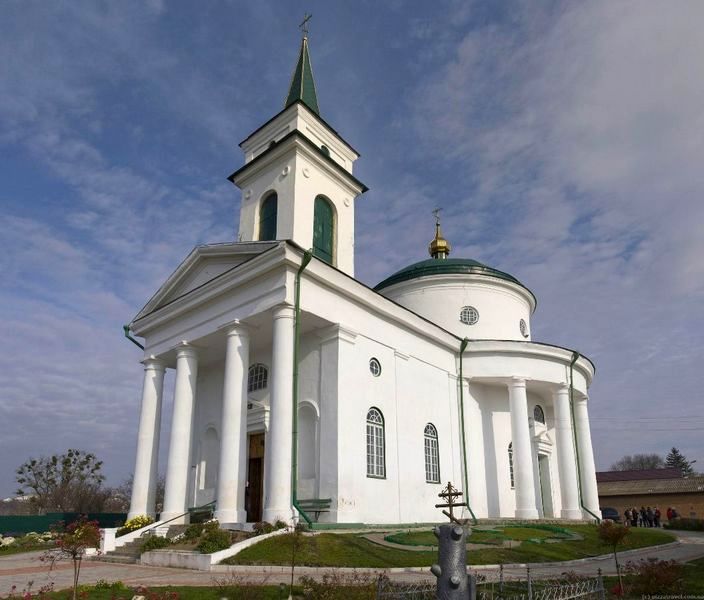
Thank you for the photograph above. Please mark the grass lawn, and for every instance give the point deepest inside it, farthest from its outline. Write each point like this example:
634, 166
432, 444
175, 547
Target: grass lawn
20, 548
482, 536
352, 550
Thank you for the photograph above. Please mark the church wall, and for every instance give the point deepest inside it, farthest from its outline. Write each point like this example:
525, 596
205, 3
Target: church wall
358, 318
496, 426
309, 406
423, 396
271, 178
320, 182
363, 498
500, 306
476, 456
206, 416
297, 181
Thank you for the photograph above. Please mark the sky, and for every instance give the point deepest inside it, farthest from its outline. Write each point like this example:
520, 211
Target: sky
564, 142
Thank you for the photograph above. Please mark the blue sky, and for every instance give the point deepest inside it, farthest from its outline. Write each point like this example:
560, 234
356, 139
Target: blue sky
563, 140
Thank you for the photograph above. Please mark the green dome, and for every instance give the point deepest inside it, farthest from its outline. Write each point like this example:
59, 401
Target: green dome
435, 266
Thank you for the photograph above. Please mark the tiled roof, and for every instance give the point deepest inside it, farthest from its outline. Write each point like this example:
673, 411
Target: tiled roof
681, 485
641, 474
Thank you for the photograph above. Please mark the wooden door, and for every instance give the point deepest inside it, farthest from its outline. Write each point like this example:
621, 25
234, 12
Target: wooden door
255, 478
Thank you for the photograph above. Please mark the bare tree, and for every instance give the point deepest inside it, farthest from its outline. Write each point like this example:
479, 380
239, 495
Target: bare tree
63, 482
638, 462
119, 497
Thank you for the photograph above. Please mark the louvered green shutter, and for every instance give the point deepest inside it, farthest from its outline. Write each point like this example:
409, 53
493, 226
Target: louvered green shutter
323, 230
267, 218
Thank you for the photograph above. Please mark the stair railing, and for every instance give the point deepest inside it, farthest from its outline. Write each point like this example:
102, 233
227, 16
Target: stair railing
189, 511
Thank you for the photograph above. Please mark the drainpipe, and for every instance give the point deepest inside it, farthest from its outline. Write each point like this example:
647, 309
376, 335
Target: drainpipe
463, 345
126, 329
575, 357
307, 256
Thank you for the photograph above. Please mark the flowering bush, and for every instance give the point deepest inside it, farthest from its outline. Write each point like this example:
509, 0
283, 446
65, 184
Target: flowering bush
648, 576
72, 542
27, 541
135, 523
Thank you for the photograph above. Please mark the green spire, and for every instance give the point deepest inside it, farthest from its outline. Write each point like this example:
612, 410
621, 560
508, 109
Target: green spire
302, 84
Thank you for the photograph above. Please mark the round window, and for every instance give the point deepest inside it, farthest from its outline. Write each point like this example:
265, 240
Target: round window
469, 315
375, 367
524, 328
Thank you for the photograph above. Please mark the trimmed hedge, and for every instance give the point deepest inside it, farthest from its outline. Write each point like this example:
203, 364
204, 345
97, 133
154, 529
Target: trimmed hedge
685, 524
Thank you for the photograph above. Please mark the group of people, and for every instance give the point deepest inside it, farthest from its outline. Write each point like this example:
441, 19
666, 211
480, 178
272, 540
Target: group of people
647, 517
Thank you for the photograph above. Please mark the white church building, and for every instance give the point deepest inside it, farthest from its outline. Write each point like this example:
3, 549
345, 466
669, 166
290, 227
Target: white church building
302, 393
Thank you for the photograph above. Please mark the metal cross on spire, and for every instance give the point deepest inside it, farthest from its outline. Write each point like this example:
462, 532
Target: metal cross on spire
436, 214
304, 24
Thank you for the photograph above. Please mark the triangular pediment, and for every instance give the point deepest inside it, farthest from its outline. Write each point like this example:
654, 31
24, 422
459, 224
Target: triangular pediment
202, 265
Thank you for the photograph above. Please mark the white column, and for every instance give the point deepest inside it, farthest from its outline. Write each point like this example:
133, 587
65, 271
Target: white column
590, 494
523, 479
232, 472
178, 467
146, 463
277, 470
566, 460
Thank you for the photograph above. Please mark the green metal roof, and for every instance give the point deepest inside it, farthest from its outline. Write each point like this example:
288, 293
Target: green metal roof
302, 84
439, 266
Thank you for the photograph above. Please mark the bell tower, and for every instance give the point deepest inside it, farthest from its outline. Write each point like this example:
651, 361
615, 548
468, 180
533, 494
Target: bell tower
297, 182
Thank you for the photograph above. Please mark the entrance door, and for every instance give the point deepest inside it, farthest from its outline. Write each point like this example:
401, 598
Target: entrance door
255, 478
545, 486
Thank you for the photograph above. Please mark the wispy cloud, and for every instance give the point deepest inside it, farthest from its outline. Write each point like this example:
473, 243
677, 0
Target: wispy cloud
563, 143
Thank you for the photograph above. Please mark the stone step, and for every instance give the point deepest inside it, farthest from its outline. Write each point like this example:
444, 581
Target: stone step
122, 559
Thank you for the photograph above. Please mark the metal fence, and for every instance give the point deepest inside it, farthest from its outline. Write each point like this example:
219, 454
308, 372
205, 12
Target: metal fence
498, 585
389, 590
19, 524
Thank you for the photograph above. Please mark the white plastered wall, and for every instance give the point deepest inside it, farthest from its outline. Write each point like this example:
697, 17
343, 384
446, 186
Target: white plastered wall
501, 305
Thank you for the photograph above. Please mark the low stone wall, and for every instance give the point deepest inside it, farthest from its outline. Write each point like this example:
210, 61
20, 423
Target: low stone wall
187, 559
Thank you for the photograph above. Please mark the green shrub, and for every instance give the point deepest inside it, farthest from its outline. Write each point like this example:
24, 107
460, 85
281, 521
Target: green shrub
686, 524
103, 584
135, 523
262, 527
279, 524
651, 575
214, 539
193, 532
336, 586
154, 543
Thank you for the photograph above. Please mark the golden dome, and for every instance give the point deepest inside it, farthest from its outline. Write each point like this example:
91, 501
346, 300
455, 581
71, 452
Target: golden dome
439, 247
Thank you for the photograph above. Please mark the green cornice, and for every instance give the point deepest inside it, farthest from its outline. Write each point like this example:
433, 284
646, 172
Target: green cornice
297, 134
447, 266
327, 125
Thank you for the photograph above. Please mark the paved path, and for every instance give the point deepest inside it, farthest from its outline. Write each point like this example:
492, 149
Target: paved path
19, 569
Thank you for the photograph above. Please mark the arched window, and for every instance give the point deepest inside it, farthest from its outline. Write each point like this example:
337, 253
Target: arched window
257, 378
323, 229
376, 465
539, 414
267, 217
510, 463
432, 456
